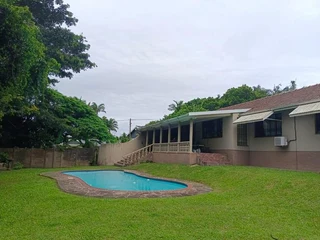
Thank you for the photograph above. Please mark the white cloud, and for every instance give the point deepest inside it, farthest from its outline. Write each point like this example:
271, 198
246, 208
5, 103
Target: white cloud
152, 52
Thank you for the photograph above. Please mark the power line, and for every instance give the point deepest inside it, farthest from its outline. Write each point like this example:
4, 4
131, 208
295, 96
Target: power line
135, 119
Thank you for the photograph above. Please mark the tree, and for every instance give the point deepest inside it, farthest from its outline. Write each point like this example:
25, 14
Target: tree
124, 138
67, 48
175, 106
24, 68
232, 96
58, 120
237, 95
111, 123
291, 87
261, 92
97, 108
277, 88
36, 45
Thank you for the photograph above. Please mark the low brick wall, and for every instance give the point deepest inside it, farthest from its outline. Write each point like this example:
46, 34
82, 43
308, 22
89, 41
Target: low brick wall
51, 158
210, 159
171, 157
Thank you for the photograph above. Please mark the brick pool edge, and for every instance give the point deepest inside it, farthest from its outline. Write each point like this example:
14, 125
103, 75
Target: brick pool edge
75, 185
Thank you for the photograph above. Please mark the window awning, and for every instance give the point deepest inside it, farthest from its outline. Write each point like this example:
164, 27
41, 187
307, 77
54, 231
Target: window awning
256, 117
307, 109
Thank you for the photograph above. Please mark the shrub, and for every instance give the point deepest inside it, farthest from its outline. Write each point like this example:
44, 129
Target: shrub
17, 166
4, 159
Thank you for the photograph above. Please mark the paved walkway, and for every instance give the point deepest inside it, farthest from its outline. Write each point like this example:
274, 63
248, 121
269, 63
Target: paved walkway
74, 185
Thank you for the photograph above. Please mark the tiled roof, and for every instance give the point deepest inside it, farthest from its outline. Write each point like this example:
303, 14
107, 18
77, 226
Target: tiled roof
281, 100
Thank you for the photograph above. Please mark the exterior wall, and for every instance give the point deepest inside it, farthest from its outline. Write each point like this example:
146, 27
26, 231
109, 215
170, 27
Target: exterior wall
303, 160
302, 153
308, 161
111, 153
236, 157
211, 159
307, 139
225, 142
51, 158
181, 158
273, 159
266, 143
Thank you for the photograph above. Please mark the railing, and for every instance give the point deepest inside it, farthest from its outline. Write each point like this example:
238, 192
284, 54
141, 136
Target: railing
171, 147
136, 156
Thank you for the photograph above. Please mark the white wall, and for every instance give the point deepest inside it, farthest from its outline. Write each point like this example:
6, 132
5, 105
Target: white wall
110, 153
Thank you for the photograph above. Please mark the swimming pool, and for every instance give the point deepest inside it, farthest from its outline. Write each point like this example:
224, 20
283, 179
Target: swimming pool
124, 181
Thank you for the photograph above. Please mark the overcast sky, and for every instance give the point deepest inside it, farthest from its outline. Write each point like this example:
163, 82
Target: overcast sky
150, 53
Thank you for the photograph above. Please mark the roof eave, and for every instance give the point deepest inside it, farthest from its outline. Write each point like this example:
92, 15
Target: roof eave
193, 116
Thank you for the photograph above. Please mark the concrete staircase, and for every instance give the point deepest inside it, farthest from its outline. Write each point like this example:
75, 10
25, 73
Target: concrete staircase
212, 159
143, 154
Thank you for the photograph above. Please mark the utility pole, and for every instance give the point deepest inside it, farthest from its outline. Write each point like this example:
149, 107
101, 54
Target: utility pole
130, 124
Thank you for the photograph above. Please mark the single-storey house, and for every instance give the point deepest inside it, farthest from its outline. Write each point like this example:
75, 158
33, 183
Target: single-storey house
281, 131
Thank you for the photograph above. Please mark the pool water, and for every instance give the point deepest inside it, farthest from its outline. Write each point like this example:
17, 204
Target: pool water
120, 180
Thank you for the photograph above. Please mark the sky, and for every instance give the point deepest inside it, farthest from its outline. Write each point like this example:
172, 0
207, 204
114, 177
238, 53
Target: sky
150, 53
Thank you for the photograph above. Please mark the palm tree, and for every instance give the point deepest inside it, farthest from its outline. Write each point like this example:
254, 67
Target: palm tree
175, 106
111, 123
291, 87
97, 108
124, 138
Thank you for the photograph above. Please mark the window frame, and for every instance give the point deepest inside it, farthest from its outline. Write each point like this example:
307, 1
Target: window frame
271, 127
317, 123
242, 135
212, 128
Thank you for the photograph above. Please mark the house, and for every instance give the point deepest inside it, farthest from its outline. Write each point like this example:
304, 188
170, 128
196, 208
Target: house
134, 133
280, 131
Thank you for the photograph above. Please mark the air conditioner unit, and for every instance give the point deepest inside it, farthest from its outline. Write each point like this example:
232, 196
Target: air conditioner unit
280, 141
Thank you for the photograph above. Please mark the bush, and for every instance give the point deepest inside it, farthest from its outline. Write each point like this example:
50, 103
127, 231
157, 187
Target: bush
17, 166
4, 159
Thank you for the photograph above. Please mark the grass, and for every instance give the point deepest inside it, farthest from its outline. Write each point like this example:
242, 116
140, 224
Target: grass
247, 203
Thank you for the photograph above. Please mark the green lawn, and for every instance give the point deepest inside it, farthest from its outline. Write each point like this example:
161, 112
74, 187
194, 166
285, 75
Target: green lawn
247, 203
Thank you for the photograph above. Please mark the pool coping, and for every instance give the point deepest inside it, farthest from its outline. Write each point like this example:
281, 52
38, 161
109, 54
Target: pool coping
74, 185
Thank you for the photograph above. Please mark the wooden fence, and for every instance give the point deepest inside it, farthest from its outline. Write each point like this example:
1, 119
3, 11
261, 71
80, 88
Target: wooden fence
51, 158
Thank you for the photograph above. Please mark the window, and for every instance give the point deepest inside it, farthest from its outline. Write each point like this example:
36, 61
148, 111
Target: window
165, 135
212, 129
318, 123
270, 127
185, 129
242, 135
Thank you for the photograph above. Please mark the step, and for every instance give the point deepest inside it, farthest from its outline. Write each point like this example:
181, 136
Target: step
118, 164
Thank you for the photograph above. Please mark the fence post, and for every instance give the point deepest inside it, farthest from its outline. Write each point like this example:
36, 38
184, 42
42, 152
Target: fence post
76, 157
31, 151
53, 156
45, 158
61, 156
13, 156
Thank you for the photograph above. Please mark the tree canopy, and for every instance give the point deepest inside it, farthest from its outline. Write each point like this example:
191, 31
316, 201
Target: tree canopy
24, 68
53, 19
232, 96
97, 108
175, 106
36, 45
111, 123
59, 120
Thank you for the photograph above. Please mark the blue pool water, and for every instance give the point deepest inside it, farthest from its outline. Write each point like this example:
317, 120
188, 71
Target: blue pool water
119, 180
